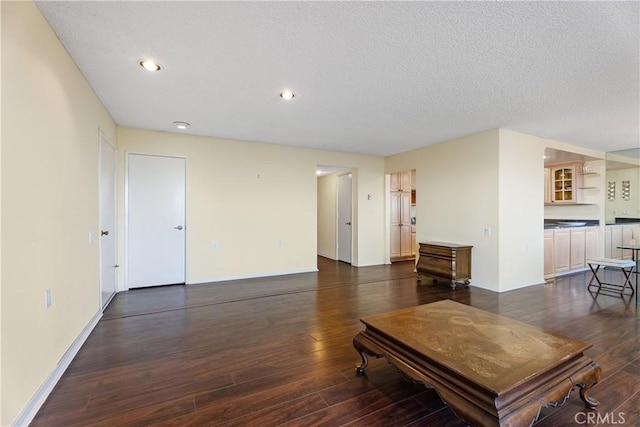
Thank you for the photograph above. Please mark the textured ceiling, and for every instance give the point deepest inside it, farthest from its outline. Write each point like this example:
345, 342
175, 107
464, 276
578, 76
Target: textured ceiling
370, 77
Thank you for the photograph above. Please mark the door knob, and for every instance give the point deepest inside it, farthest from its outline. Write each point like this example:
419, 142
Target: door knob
179, 227
348, 223
104, 233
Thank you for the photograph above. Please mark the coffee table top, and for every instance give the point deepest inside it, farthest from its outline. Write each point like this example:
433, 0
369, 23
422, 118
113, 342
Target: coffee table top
495, 352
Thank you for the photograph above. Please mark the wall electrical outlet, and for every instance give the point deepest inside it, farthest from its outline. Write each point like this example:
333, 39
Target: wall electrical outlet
215, 245
487, 230
279, 243
47, 298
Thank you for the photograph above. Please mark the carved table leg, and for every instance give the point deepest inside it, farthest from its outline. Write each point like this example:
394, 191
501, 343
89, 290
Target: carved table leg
589, 401
359, 342
360, 367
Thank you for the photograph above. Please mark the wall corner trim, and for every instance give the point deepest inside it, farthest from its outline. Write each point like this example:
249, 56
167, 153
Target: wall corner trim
38, 399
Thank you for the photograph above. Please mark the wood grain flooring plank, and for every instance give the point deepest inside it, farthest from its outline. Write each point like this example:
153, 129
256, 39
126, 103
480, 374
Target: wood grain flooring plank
441, 418
397, 414
149, 415
229, 409
356, 408
326, 375
279, 414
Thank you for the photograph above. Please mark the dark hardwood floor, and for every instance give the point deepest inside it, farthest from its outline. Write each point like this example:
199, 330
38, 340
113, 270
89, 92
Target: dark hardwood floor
277, 351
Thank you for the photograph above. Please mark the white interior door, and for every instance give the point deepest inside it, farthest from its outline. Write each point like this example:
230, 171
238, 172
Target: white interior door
156, 219
107, 221
344, 218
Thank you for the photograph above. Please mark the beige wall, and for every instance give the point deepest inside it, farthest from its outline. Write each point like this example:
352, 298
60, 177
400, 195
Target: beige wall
248, 196
327, 193
51, 120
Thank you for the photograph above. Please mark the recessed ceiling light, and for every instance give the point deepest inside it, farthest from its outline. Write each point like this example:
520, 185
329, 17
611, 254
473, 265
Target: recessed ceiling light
287, 94
149, 65
181, 125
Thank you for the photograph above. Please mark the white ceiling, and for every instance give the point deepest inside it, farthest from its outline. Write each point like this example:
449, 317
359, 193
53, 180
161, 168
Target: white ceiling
370, 77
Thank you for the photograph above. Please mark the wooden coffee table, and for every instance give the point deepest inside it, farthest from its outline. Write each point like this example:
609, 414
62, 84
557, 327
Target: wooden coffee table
491, 370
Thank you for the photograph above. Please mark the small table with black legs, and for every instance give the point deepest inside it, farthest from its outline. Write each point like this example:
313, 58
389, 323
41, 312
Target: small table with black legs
636, 249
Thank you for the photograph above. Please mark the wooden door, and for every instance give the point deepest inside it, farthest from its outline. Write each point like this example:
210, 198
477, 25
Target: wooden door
548, 254
395, 182
577, 248
405, 183
591, 243
616, 240
405, 226
627, 237
395, 220
561, 250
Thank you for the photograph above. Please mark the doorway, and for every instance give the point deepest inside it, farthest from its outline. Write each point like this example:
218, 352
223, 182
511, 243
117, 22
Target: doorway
107, 220
156, 220
344, 218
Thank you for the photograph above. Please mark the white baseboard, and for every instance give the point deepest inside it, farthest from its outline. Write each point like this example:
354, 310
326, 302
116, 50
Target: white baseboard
38, 399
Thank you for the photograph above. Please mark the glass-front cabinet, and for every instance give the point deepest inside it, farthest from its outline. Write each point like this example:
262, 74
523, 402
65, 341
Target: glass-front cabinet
565, 183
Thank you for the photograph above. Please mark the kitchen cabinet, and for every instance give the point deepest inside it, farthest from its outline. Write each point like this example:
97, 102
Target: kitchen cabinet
617, 235
401, 246
566, 250
402, 238
566, 183
577, 248
613, 239
549, 269
561, 250
630, 235
591, 237
401, 181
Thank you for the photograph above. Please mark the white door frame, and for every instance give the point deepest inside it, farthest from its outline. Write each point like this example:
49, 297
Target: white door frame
103, 139
126, 211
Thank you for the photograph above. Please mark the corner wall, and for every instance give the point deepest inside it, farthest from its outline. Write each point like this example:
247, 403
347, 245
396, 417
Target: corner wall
49, 167
521, 210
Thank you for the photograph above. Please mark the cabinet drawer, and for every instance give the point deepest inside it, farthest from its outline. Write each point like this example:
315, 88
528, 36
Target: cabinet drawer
439, 251
437, 266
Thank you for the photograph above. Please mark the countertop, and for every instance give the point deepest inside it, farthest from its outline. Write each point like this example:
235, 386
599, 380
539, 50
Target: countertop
570, 223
